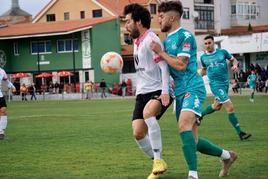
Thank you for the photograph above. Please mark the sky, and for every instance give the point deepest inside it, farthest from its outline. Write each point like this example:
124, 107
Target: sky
30, 6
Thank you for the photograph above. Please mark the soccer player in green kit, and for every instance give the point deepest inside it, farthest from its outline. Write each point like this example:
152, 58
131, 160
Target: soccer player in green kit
180, 54
215, 66
252, 79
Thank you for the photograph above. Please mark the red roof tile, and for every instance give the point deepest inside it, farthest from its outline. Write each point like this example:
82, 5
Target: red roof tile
28, 29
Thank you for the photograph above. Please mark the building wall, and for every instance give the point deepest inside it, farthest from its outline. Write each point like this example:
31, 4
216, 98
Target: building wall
5, 46
26, 61
103, 42
74, 8
263, 18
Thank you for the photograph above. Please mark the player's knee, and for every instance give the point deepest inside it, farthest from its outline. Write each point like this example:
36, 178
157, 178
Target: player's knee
217, 107
3, 111
138, 135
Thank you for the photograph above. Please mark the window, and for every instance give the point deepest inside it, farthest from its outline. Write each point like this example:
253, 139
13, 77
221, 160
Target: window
153, 8
66, 45
51, 17
82, 14
186, 13
66, 16
16, 48
206, 17
97, 13
244, 11
41, 47
204, 1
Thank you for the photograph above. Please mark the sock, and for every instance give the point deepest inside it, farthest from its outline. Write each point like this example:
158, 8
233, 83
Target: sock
193, 174
206, 147
189, 149
208, 110
3, 124
154, 133
252, 95
145, 145
233, 120
225, 155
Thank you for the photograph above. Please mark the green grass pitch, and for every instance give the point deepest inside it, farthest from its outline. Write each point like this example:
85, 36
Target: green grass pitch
93, 139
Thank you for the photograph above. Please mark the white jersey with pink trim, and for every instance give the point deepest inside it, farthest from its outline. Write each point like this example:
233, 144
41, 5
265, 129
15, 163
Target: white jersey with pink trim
3, 77
148, 73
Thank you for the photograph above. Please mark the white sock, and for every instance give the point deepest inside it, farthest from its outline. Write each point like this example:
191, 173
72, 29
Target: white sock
154, 136
193, 174
145, 145
225, 155
3, 124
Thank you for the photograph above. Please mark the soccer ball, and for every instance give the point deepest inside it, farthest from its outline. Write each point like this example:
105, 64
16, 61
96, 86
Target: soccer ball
111, 62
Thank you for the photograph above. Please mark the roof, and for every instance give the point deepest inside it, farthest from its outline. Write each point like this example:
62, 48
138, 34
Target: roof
244, 30
49, 29
16, 12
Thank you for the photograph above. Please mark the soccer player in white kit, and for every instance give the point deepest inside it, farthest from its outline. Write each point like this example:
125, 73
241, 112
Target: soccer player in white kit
3, 105
152, 90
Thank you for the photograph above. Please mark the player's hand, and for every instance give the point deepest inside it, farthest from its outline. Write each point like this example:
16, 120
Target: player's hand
164, 99
155, 47
234, 68
13, 90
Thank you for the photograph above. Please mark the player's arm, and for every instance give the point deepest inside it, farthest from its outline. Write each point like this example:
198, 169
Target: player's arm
9, 84
179, 63
165, 82
234, 63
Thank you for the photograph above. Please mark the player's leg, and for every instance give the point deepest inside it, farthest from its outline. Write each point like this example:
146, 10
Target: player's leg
150, 112
252, 94
227, 157
153, 111
141, 137
234, 121
186, 122
140, 129
3, 118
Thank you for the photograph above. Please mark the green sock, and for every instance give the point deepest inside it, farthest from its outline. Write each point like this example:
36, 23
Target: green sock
206, 147
189, 149
233, 120
208, 110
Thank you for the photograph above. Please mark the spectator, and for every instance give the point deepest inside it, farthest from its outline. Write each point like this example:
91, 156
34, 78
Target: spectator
103, 87
23, 91
123, 87
266, 85
32, 91
235, 86
89, 89
57, 86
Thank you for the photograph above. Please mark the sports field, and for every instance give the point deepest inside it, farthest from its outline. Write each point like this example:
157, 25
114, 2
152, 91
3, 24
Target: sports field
93, 139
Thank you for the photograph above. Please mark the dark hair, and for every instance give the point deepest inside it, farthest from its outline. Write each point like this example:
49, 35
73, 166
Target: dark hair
138, 13
171, 6
209, 37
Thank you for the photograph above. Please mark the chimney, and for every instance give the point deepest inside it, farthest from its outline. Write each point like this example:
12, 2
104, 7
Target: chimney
15, 4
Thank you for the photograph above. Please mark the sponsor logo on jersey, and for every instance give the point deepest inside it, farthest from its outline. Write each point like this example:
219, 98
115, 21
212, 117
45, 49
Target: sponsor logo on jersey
187, 95
186, 47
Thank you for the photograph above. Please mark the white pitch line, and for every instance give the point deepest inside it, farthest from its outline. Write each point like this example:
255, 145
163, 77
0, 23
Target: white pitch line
65, 115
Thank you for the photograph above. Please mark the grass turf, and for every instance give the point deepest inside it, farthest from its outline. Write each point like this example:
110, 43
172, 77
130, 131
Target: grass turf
93, 139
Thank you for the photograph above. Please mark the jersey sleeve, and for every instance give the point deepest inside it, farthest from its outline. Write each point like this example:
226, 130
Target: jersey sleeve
228, 56
202, 62
155, 38
4, 76
186, 45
